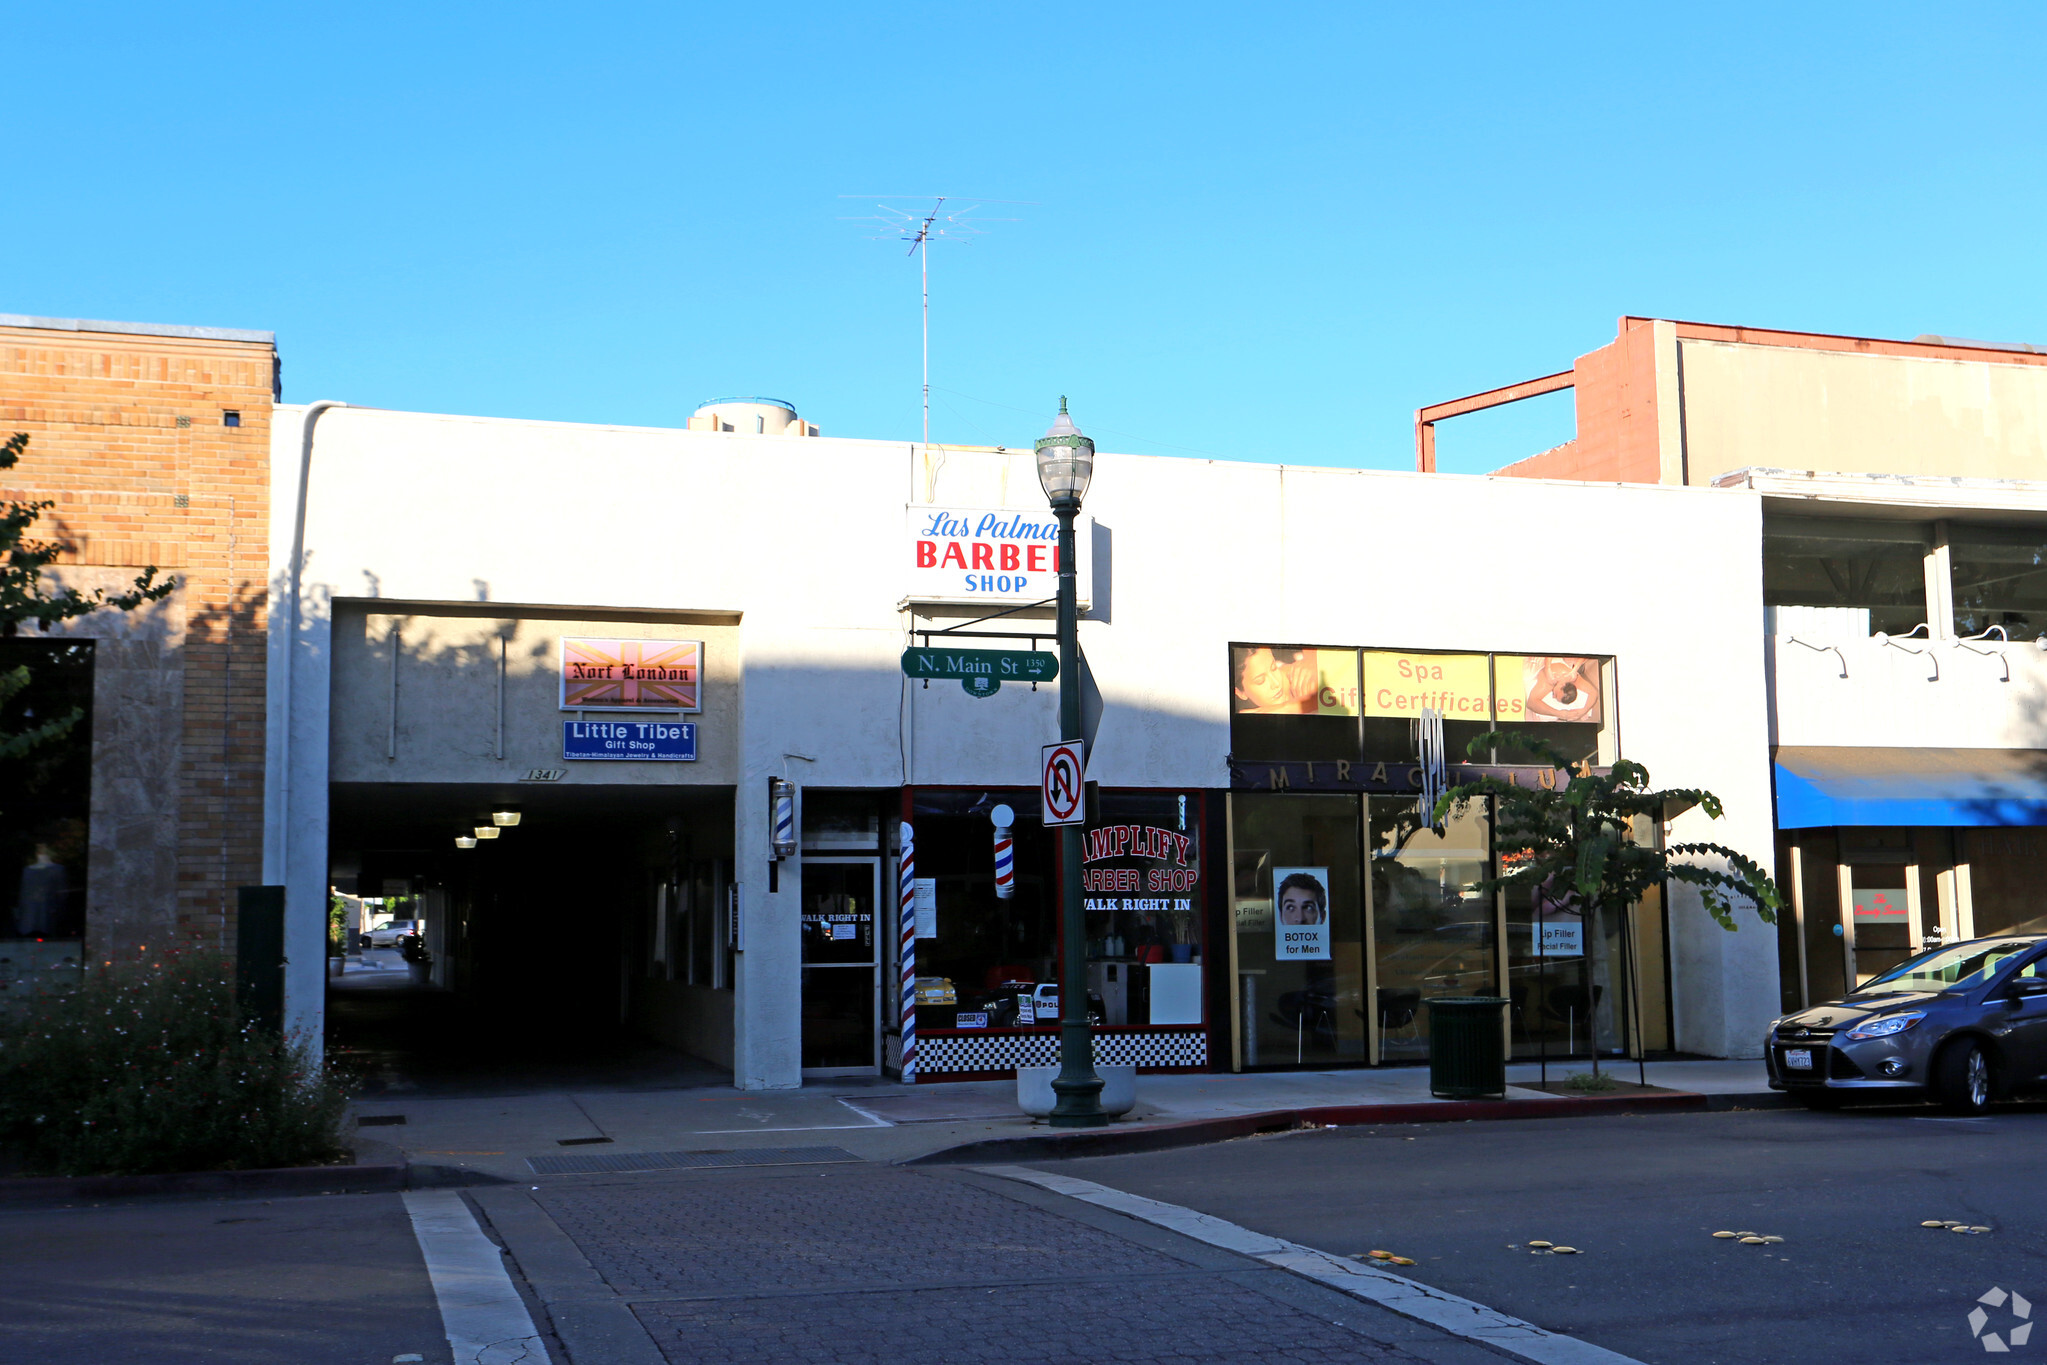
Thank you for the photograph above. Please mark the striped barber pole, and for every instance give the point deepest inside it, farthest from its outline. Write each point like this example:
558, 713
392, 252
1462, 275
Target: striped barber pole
1005, 854
906, 924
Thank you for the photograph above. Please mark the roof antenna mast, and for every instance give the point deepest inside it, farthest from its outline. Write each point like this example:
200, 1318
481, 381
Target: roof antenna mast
920, 227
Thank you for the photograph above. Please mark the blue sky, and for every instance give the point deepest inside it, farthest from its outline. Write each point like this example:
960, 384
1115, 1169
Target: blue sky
1262, 232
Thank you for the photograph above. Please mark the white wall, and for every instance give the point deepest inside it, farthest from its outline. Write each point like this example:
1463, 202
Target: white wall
802, 538
1946, 696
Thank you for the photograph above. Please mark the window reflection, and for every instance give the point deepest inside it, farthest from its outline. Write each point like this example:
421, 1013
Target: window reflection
2000, 579
1432, 929
1845, 577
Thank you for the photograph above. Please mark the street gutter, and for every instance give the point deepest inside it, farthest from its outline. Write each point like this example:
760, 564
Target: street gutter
1196, 1132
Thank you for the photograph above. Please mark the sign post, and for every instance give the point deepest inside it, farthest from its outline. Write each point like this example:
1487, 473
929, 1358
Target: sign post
1066, 461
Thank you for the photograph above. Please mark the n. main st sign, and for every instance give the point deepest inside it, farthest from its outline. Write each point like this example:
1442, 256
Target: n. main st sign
1001, 665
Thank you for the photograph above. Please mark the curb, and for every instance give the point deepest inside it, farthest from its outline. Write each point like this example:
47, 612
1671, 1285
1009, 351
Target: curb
1196, 1132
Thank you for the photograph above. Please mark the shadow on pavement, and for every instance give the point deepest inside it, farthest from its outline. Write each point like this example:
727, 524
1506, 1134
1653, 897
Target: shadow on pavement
423, 1043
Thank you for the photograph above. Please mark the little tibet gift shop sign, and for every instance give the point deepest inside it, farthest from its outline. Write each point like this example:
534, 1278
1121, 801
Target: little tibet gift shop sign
989, 555
644, 676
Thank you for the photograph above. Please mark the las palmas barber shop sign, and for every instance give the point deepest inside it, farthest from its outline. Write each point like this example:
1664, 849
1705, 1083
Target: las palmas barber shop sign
989, 556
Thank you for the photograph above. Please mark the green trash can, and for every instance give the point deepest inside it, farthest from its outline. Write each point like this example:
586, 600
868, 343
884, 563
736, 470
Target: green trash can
1467, 1048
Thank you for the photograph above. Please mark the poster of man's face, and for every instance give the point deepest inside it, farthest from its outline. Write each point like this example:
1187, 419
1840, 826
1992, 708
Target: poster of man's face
1300, 913
1301, 899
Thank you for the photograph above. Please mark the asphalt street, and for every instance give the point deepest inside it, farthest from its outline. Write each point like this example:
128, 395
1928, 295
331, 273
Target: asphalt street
1856, 1277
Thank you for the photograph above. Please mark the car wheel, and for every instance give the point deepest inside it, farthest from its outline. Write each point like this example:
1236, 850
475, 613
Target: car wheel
1962, 1078
1818, 1099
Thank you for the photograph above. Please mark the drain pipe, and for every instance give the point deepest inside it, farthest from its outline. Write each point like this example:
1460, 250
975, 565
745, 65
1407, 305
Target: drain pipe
293, 573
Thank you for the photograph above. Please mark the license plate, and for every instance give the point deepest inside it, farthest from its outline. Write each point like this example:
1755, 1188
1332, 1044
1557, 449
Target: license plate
1798, 1058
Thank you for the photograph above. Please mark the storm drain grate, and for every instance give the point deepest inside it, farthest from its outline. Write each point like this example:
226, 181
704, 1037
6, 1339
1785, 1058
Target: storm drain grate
679, 1161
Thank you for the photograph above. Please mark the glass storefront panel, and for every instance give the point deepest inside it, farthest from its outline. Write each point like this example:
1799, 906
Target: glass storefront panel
1869, 575
1141, 882
45, 794
1432, 931
1400, 684
1560, 699
841, 993
1298, 912
1293, 702
2000, 579
988, 950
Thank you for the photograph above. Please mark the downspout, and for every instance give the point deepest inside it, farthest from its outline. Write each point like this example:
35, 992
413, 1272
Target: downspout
294, 573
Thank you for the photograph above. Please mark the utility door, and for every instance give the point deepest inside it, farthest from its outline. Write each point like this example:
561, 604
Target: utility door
841, 967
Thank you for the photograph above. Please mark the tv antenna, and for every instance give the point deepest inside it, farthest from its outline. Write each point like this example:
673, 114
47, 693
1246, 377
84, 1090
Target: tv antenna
921, 226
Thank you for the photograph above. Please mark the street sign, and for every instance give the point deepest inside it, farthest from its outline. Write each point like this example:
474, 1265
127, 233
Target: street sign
1002, 665
1064, 785
647, 740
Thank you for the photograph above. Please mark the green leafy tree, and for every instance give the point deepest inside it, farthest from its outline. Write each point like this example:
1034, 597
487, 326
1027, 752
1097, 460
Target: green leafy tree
1575, 840
23, 600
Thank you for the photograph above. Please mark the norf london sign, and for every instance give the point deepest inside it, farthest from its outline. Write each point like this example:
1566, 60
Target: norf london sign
631, 675
988, 555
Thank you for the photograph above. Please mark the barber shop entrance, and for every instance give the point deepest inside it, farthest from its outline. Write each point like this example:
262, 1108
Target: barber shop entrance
1349, 910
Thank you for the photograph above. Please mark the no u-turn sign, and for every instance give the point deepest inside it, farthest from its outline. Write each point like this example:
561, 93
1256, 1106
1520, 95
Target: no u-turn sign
1064, 783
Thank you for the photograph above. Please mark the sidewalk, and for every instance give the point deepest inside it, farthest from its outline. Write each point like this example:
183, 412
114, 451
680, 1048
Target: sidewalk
883, 1120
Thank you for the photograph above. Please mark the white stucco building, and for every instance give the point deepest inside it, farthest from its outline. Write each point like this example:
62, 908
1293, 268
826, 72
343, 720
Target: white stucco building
1260, 637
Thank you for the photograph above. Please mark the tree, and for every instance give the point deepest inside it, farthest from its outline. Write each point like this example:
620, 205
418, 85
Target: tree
24, 601
1574, 839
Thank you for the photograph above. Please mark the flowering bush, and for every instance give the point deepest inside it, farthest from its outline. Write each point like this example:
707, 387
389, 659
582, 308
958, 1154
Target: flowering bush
149, 1066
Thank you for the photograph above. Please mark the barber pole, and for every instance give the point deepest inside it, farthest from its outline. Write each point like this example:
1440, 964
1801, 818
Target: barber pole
906, 923
1005, 852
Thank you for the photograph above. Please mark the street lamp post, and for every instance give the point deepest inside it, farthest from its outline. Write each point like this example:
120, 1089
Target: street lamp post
1066, 461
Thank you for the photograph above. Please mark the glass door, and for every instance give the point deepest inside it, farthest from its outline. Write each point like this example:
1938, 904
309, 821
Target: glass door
1299, 931
841, 972
1882, 906
1432, 930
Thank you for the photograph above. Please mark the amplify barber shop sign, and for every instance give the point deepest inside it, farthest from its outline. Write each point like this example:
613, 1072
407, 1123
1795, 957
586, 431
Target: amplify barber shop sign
996, 556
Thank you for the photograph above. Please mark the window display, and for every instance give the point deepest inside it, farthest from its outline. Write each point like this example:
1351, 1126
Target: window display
988, 994
1349, 911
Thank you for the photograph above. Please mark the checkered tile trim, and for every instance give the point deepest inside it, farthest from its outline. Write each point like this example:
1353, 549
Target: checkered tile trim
969, 1051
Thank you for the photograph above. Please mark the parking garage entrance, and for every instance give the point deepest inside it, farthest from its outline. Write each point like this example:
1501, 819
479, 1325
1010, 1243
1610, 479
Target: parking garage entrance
557, 936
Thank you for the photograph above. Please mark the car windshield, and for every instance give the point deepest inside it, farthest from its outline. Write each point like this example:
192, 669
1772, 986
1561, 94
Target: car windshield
1946, 969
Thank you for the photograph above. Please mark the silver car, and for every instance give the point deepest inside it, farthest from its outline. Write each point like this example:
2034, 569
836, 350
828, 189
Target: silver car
1965, 1024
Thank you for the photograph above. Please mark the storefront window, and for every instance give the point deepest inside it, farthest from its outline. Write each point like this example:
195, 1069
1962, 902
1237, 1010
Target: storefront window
1400, 685
1141, 874
1561, 699
1330, 968
1844, 576
988, 950
1432, 930
1299, 921
45, 794
2000, 579
1578, 979
1292, 702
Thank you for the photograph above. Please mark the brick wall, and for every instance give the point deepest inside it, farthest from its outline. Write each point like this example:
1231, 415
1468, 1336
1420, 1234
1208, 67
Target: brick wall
127, 435
1615, 391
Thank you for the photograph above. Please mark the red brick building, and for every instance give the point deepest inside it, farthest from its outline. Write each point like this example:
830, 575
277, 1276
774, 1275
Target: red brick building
154, 444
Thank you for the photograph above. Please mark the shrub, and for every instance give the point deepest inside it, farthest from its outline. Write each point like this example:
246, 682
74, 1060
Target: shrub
149, 1067
1590, 1082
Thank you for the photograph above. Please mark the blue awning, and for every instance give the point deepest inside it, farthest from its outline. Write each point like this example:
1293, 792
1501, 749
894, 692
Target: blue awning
1821, 788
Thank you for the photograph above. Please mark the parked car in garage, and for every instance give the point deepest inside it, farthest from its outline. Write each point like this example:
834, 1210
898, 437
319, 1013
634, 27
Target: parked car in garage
1965, 1024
